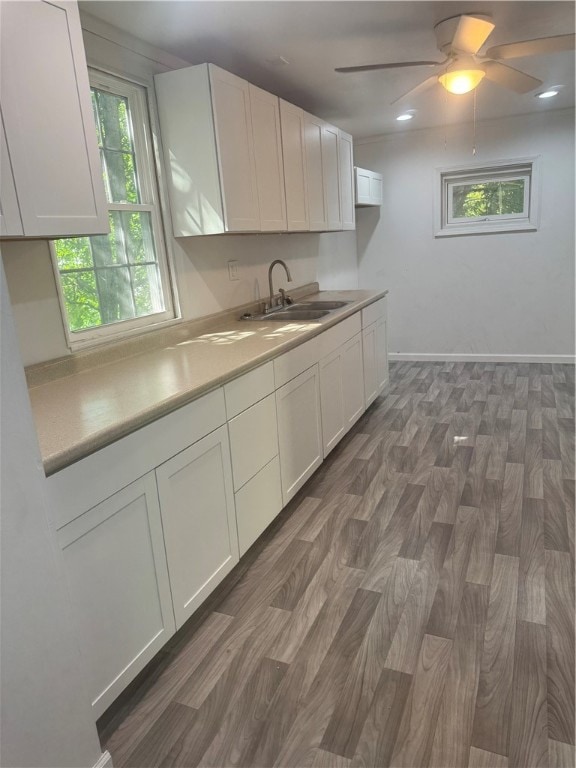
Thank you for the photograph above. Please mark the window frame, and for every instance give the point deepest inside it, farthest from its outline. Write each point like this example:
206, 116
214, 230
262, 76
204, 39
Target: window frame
447, 179
148, 176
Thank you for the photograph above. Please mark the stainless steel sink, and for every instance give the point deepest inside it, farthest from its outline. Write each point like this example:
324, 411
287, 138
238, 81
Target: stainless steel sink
289, 315
329, 305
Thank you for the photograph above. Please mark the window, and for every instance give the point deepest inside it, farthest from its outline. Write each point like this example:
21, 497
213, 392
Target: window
110, 284
498, 198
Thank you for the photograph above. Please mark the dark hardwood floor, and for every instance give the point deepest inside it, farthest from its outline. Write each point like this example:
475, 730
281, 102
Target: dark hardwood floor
414, 605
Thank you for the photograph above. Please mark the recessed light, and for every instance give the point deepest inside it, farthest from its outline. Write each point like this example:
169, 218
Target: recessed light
405, 116
553, 91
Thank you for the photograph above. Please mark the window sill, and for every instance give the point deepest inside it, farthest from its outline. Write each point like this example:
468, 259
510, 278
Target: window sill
491, 228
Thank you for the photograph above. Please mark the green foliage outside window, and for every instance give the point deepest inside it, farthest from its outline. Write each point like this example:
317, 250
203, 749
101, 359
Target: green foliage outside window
492, 198
109, 278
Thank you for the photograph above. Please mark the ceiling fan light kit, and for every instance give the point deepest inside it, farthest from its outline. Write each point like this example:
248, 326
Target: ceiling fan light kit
460, 39
461, 80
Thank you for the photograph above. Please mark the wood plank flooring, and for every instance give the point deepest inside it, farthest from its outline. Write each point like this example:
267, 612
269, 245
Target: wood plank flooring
413, 606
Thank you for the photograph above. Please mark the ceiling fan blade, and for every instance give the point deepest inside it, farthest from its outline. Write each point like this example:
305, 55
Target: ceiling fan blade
537, 47
471, 34
417, 90
394, 65
509, 77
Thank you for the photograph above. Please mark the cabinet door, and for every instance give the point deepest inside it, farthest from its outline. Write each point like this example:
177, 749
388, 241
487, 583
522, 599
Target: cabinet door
10, 221
332, 400
48, 120
197, 507
268, 156
381, 356
352, 381
235, 143
346, 168
331, 178
299, 431
314, 173
294, 156
369, 347
118, 582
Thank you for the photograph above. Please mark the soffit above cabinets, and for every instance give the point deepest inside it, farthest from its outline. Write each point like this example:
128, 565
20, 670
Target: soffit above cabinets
255, 39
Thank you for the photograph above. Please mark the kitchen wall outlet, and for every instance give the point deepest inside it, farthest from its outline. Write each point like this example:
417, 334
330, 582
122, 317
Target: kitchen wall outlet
233, 270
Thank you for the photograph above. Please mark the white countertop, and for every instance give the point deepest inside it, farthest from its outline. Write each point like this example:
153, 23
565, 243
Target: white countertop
82, 407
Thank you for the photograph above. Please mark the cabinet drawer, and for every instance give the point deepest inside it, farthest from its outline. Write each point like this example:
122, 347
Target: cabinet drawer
289, 365
249, 389
86, 483
373, 312
257, 504
339, 334
253, 440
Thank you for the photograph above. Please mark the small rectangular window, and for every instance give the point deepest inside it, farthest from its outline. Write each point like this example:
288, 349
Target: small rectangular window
110, 284
489, 199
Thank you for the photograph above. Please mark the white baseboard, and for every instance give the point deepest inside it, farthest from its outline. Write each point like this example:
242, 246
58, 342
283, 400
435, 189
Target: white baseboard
105, 761
461, 358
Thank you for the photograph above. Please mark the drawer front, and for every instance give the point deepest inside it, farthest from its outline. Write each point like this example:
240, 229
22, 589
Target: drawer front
373, 312
86, 483
291, 364
257, 504
253, 440
339, 334
249, 389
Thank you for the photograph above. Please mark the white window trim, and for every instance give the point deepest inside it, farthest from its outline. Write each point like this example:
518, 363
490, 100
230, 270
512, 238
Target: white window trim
148, 177
445, 178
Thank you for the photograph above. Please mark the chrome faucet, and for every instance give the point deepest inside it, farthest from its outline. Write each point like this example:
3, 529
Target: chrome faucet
284, 299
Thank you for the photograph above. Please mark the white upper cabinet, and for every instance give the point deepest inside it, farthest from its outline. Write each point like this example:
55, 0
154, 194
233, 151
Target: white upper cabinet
223, 149
368, 187
314, 173
266, 131
10, 221
50, 138
294, 156
346, 177
331, 176
235, 146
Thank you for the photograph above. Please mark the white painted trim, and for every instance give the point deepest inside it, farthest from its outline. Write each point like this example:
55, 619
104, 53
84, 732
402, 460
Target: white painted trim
105, 761
463, 358
124, 39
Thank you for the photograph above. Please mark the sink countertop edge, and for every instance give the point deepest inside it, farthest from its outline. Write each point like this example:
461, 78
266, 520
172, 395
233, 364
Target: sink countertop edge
65, 439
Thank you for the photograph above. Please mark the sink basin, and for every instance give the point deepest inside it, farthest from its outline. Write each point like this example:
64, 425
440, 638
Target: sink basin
289, 315
321, 304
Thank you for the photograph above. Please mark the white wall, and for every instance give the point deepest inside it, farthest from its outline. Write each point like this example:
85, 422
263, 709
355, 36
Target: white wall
497, 294
46, 715
201, 263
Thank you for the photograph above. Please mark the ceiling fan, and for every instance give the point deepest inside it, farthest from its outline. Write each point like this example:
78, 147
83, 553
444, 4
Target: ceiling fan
460, 38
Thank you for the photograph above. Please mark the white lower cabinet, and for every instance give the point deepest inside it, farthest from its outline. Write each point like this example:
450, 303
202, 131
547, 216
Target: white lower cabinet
140, 562
332, 400
375, 360
341, 391
118, 581
352, 381
299, 430
257, 504
197, 507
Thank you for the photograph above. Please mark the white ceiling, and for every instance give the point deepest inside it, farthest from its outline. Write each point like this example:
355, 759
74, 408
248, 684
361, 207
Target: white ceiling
247, 38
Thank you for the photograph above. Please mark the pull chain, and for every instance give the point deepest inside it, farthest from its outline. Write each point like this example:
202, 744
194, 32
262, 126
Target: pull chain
445, 120
474, 130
